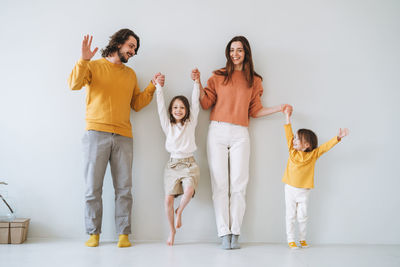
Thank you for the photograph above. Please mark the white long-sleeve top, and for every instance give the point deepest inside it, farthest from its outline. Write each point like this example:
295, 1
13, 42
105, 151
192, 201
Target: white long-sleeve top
180, 140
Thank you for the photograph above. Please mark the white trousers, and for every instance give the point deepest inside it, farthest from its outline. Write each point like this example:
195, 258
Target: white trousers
296, 208
228, 150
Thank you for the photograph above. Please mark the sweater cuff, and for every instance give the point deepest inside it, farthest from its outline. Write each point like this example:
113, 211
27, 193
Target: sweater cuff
83, 62
151, 88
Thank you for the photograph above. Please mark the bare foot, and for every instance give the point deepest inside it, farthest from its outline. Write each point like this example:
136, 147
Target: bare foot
171, 238
178, 223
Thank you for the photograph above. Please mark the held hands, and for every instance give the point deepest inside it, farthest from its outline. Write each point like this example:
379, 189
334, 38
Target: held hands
86, 43
342, 133
195, 75
158, 78
287, 109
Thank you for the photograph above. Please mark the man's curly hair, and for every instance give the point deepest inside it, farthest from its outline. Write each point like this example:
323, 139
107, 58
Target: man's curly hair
117, 39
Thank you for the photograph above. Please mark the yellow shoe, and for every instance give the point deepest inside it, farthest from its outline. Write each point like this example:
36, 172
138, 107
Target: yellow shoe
303, 244
93, 240
124, 241
293, 245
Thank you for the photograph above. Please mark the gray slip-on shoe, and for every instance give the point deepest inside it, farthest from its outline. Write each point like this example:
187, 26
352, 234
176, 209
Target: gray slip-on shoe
226, 242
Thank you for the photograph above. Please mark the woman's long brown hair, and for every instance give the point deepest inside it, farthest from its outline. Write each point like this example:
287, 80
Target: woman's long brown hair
248, 66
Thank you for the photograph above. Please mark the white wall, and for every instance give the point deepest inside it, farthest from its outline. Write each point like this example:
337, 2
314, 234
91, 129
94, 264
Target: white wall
336, 62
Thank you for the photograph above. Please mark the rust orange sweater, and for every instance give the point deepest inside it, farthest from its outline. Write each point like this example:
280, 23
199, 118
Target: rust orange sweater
233, 102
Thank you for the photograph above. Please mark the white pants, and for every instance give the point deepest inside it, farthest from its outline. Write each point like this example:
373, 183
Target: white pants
228, 150
296, 207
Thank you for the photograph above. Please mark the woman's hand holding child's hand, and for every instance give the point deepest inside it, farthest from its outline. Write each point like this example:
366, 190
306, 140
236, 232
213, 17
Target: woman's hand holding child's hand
287, 109
195, 75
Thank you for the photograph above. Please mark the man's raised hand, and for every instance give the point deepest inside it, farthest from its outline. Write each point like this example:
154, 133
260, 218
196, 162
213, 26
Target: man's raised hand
87, 54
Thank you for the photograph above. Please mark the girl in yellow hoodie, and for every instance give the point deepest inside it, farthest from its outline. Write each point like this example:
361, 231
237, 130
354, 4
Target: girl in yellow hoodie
299, 176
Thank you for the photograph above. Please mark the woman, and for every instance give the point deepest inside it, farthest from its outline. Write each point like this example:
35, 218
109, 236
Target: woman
233, 94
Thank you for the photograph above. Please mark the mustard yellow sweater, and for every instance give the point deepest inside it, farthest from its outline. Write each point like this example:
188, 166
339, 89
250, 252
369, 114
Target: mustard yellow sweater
112, 91
300, 167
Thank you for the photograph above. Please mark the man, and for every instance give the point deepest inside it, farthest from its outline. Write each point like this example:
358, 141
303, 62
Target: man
112, 90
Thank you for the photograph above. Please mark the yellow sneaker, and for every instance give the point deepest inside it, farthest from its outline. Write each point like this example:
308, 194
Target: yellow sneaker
123, 241
303, 244
293, 245
93, 240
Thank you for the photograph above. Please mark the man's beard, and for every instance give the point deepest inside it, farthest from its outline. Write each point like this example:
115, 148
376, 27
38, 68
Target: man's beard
121, 57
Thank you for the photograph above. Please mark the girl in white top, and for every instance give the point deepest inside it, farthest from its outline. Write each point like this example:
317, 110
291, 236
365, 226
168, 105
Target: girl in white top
181, 172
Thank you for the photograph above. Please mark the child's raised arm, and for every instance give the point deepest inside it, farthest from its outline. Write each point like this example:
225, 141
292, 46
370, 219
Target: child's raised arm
196, 77
194, 110
162, 112
288, 112
331, 143
288, 127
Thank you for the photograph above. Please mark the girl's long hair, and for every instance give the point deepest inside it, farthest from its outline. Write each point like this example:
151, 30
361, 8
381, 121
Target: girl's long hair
248, 66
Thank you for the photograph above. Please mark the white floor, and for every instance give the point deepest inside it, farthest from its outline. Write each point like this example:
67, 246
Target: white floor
58, 253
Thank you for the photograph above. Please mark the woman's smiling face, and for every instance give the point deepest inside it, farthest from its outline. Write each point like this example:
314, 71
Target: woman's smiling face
237, 54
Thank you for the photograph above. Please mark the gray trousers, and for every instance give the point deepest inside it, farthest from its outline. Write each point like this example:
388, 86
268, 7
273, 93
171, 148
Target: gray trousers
99, 148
